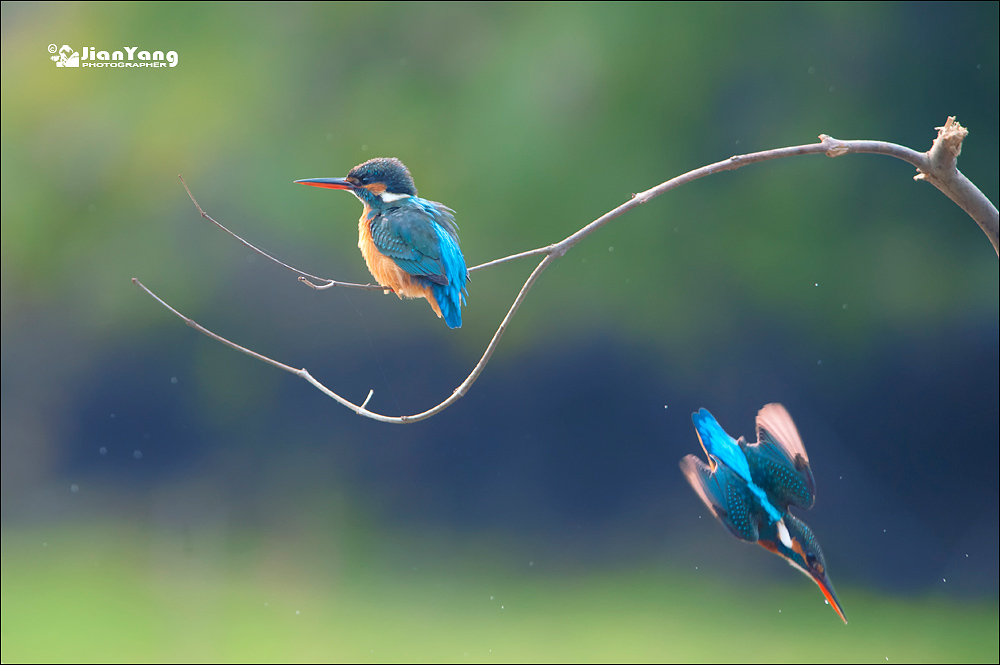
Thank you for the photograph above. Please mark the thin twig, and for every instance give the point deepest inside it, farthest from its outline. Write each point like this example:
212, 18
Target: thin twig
936, 166
513, 257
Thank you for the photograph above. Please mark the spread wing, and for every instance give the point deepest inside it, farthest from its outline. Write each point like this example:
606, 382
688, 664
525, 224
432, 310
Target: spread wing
778, 461
725, 494
411, 235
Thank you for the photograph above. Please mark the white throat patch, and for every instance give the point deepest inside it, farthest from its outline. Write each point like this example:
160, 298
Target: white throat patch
786, 539
389, 197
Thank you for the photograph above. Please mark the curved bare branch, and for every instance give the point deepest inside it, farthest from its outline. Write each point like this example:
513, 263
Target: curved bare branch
937, 166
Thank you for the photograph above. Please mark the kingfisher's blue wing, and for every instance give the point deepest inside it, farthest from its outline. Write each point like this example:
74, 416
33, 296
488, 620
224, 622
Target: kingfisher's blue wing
413, 233
725, 494
778, 461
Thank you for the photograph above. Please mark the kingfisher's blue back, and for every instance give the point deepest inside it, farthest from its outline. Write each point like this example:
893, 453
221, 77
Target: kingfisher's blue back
421, 238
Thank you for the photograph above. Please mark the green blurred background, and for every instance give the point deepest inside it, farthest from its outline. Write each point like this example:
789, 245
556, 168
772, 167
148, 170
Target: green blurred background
164, 497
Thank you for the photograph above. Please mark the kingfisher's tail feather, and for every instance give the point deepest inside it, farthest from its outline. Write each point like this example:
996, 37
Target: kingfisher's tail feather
449, 295
717, 443
713, 437
449, 300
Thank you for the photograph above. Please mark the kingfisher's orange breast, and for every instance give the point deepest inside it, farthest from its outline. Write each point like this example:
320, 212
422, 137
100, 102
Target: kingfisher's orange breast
386, 272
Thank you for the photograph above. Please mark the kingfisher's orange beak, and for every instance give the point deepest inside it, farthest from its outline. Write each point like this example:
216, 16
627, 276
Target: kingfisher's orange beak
824, 585
820, 578
329, 183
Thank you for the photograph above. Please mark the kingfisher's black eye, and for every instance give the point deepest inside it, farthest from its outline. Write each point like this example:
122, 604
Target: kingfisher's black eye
811, 560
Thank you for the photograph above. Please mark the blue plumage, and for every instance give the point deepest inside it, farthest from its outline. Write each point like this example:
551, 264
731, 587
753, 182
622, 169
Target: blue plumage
421, 237
718, 443
450, 295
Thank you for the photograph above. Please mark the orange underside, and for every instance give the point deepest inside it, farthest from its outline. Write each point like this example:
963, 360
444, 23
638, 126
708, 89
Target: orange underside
387, 273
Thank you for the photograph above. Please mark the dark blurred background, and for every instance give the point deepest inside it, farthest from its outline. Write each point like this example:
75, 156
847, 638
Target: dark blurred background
165, 497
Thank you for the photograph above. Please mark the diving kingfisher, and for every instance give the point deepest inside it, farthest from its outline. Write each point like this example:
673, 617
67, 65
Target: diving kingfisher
410, 244
749, 487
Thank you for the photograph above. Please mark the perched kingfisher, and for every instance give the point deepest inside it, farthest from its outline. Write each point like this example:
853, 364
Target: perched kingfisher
410, 244
749, 487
